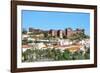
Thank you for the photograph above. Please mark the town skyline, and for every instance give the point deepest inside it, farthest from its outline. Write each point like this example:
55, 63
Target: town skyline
56, 29
55, 20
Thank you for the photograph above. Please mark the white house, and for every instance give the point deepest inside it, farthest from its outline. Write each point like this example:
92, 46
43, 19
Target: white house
65, 42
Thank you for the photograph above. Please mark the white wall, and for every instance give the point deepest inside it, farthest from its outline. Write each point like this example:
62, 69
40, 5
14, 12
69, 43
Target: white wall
5, 36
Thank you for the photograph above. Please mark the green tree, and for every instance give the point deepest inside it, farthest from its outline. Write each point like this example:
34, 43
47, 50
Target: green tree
66, 55
78, 36
24, 41
24, 31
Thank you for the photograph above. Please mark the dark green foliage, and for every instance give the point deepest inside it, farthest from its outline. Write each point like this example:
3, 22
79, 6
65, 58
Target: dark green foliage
78, 36
24, 41
87, 55
30, 41
78, 56
24, 31
66, 55
32, 55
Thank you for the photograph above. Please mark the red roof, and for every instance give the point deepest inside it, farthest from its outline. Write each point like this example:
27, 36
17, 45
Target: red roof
26, 46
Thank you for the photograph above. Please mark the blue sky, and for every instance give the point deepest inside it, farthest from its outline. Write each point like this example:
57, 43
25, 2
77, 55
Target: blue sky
55, 20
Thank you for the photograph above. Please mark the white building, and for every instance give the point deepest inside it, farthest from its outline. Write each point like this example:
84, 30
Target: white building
64, 42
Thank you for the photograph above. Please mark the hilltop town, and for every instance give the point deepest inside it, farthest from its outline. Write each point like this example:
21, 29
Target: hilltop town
56, 33
47, 40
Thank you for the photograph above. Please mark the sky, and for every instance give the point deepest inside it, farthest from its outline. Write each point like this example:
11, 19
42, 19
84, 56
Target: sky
47, 20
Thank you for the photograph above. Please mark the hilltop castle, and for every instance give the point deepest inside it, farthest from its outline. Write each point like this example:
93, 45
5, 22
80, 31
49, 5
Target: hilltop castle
57, 33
